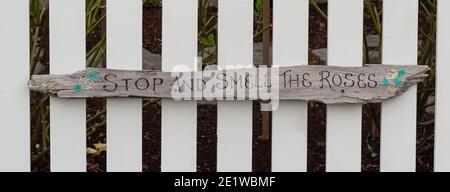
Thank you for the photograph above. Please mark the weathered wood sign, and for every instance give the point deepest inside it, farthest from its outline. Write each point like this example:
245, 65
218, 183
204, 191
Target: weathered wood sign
327, 84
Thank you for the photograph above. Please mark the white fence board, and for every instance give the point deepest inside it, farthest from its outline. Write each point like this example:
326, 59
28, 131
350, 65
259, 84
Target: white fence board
124, 116
179, 118
234, 118
442, 133
15, 102
67, 54
345, 48
398, 116
289, 121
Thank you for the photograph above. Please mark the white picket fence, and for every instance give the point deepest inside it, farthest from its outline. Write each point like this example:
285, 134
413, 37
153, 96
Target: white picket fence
234, 125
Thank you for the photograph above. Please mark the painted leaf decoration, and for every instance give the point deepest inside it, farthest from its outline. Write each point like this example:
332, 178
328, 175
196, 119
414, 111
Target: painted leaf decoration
92, 75
397, 82
401, 73
385, 82
77, 88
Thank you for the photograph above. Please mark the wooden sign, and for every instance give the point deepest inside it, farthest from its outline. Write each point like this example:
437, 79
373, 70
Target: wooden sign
327, 84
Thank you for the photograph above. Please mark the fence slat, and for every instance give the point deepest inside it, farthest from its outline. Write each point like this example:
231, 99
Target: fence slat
15, 102
67, 54
398, 116
179, 119
124, 116
442, 133
345, 35
290, 46
234, 118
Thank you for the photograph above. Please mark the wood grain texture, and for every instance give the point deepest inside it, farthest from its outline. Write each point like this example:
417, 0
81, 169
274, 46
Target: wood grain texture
327, 84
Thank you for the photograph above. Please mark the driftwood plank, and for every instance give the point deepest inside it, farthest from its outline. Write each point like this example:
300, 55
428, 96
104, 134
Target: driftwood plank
327, 84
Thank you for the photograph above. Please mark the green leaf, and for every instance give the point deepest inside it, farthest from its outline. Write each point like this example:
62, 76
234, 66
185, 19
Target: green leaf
203, 40
212, 39
401, 73
77, 88
92, 75
397, 82
259, 5
385, 82
208, 41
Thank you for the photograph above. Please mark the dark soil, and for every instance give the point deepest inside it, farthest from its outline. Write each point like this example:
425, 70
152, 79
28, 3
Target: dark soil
152, 32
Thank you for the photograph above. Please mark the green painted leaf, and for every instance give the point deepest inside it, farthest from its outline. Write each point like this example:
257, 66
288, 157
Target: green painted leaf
397, 82
385, 82
93, 75
77, 88
401, 73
